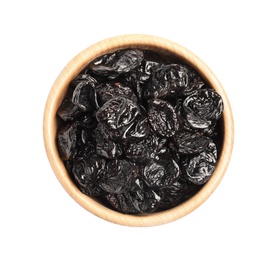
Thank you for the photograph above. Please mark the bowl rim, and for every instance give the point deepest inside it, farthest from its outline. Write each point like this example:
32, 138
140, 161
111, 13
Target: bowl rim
75, 66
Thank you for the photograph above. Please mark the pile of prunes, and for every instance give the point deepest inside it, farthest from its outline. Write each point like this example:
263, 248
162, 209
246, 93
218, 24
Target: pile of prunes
138, 131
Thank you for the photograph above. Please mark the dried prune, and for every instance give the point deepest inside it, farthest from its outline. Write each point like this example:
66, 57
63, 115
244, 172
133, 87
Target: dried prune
202, 108
118, 175
87, 170
144, 150
167, 81
117, 114
161, 172
105, 146
144, 199
174, 194
189, 143
80, 98
115, 64
107, 91
200, 167
194, 83
162, 117
68, 111
139, 130
121, 202
67, 141
84, 95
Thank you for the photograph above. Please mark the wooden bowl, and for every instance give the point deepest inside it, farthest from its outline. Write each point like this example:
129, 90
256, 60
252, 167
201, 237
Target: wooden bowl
50, 126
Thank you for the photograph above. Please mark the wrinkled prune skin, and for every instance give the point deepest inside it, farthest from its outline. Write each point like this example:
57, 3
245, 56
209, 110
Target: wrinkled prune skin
167, 81
118, 175
144, 200
80, 98
144, 150
84, 95
105, 146
162, 117
200, 167
140, 131
87, 170
115, 64
107, 91
202, 108
190, 143
175, 194
122, 203
161, 172
67, 141
117, 115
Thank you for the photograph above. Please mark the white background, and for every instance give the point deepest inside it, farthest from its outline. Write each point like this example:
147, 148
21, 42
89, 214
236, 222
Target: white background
39, 220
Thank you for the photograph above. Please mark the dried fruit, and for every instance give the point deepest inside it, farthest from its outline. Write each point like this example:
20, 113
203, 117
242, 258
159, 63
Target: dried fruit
139, 131
202, 108
161, 172
162, 117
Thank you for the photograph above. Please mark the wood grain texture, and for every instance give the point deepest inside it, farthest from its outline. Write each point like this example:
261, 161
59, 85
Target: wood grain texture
50, 125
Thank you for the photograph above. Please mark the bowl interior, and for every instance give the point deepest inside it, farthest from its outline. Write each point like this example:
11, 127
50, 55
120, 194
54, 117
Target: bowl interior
51, 123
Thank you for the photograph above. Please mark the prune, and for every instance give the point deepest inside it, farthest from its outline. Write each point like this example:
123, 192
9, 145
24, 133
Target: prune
139, 130
105, 146
200, 167
87, 170
117, 114
202, 108
167, 81
69, 111
122, 202
80, 98
67, 141
161, 172
115, 64
139, 199
175, 194
84, 95
194, 83
144, 200
86, 125
107, 91
189, 143
144, 150
118, 175
162, 117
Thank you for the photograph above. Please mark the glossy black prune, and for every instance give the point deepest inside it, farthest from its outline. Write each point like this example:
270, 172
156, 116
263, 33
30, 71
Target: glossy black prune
175, 194
202, 108
144, 150
139, 131
144, 199
199, 168
162, 117
122, 203
87, 170
190, 143
118, 176
84, 95
117, 63
117, 114
107, 91
80, 98
167, 81
161, 172
105, 146
67, 141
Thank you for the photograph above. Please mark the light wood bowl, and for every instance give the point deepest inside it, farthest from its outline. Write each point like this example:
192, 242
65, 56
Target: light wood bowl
50, 126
